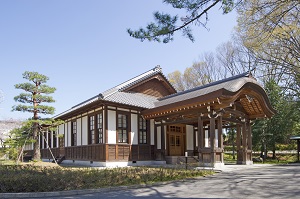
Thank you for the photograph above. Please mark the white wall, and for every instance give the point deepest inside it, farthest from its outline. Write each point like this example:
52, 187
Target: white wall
69, 133
79, 141
216, 138
112, 139
158, 132
189, 137
66, 133
196, 132
28, 147
206, 141
134, 129
61, 129
84, 124
152, 132
104, 130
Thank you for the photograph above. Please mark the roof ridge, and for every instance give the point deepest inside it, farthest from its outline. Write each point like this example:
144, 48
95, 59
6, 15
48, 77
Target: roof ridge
157, 69
245, 74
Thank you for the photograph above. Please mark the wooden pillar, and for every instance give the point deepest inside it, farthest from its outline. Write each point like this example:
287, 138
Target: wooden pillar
249, 136
244, 141
155, 142
194, 142
249, 141
220, 138
163, 141
200, 138
298, 149
105, 131
212, 131
238, 143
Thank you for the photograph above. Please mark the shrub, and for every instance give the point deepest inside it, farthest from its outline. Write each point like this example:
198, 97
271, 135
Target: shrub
30, 178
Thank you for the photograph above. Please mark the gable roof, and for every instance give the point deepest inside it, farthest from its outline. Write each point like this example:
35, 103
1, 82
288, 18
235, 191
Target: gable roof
120, 94
231, 84
220, 94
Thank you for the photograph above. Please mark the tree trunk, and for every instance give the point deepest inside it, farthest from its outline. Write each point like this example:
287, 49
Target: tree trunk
36, 145
274, 154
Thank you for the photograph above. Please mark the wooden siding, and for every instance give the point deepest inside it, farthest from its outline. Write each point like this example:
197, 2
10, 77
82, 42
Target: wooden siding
97, 152
94, 152
154, 87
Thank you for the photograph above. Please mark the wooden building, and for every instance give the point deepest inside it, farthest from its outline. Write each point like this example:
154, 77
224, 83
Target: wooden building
145, 121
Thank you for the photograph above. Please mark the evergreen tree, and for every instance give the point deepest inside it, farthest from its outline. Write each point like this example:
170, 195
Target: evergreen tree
166, 25
36, 94
269, 132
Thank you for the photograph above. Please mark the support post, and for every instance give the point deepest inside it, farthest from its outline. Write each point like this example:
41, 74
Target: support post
238, 144
163, 141
298, 149
220, 139
200, 138
249, 142
245, 144
212, 141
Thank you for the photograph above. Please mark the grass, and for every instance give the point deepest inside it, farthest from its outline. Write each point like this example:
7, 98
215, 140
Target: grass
280, 159
30, 178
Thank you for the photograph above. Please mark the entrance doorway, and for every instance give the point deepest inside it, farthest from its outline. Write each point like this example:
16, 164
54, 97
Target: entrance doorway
176, 140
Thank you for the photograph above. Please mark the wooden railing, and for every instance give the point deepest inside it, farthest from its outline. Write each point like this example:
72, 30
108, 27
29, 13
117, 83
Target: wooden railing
45, 153
103, 152
87, 152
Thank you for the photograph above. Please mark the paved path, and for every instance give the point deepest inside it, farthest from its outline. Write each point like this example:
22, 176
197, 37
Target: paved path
236, 181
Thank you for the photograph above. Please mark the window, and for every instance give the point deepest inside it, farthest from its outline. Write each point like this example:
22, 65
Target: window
92, 129
122, 128
54, 139
73, 133
142, 130
49, 139
100, 128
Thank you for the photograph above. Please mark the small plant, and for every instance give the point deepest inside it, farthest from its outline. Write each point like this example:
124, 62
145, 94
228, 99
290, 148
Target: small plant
30, 178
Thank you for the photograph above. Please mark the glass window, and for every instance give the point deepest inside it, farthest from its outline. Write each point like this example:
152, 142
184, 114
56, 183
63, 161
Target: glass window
54, 139
99, 128
142, 130
122, 128
92, 129
74, 134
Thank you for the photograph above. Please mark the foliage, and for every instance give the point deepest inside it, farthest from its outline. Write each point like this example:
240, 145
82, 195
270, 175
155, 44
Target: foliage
278, 128
200, 73
280, 159
286, 147
166, 25
17, 138
36, 94
270, 30
41, 179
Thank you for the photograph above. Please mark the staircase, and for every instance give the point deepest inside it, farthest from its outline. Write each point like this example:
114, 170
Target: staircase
59, 159
191, 160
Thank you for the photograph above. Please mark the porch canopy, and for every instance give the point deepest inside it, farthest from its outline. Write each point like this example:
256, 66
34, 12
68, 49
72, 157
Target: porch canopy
232, 101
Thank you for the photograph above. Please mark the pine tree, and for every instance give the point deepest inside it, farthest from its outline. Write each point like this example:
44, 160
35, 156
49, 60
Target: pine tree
36, 93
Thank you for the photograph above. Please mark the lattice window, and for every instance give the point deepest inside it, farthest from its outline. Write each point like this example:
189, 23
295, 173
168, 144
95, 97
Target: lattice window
142, 130
122, 128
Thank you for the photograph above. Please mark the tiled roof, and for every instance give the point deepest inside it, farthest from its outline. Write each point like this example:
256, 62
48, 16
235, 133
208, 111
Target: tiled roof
132, 81
133, 99
117, 95
231, 84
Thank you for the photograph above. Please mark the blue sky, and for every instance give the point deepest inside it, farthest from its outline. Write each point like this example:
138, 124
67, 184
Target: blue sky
83, 46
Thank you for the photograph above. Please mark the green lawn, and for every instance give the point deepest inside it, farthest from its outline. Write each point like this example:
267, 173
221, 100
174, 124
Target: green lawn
281, 159
29, 178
